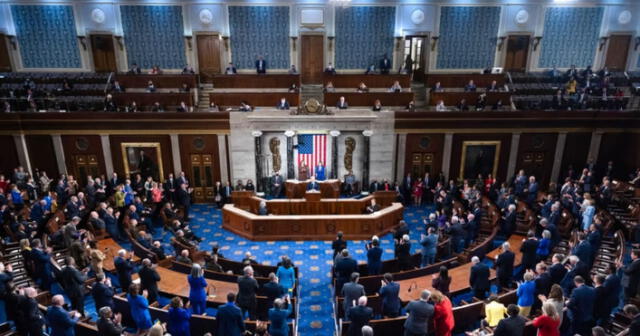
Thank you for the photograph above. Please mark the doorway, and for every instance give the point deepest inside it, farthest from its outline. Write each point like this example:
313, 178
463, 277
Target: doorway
311, 58
5, 61
517, 53
104, 56
202, 177
417, 47
208, 55
617, 52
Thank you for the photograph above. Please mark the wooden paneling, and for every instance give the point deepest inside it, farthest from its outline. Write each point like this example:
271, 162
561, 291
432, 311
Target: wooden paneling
536, 152
104, 57
160, 81
372, 81
201, 146
9, 156
41, 154
143, 99
503, 158
617, 52
208, 55
270, 99
453, 98
165, 146
622, 149
311, 58
424, 144
5, 60
255, 81
368, 98
517, 53
77, 146
460, 80
575, 154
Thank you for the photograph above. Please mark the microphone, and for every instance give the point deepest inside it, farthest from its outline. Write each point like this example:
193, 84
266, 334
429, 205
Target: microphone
411, 286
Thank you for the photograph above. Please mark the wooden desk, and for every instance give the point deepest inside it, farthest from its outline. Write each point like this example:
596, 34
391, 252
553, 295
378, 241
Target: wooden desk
453, 98
160, 81
368, 98
516, 242
255, 81
460, 80
110, 249
297, 189
270, 99
372, 81
145, 99
309, 227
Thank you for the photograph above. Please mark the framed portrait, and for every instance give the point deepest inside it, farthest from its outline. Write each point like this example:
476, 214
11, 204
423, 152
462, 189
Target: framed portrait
479, 157
144, 158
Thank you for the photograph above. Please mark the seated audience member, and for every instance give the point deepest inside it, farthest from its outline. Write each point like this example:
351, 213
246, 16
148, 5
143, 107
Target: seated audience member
411, 107
329, 87
362, 88
117, 87
133, 107
371, 69
395, 87
245, 107
493, 87
470, 87
440, 107
151, 87
342, 103
330, 70
157, 107
373, 207
462, 105
213, 107
437, 87
377, 106
188, 70
134, 70
571, 86
283, 104
158, 250
109, 104
262, 209
211, 263
109, 324
261, 65
293, 88
385, 65
231, 69
184, 257
185, 87
183, 108
155, 70
293, 70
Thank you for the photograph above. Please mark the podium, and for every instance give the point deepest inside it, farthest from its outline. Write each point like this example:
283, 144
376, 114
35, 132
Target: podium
242, 199
312, 196
297, 189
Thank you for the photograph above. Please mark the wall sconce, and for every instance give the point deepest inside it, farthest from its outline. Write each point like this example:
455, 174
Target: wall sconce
293, 42
189, 38
434, 42
398, 42
536, 42
330, 42
82, 40
119, 40
635, 47
603, 41
501, 40
13, 40
225, 39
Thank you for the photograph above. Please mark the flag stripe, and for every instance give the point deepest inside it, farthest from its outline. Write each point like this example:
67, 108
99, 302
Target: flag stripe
312, 149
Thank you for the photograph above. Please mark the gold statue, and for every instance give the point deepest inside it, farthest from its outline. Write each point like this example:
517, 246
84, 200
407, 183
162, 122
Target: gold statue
274, 146
350, 144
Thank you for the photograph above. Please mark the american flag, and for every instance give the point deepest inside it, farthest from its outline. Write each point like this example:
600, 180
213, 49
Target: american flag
312, 148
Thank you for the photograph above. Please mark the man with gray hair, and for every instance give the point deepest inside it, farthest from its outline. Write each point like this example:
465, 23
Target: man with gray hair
351, 291
108, 324
504, 266
367, 331
247, 288
420, 311
59, 320
479, 278
359, 316
149, 279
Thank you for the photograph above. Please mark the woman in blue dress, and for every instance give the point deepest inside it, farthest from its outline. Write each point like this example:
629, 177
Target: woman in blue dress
286, 275
543, 247
197, 293
139, 308
278, 317
179, 317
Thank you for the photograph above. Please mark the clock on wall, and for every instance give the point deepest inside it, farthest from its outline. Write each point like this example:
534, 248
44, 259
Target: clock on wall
98, 15
522, 17
417, 16
624, 17
206, 17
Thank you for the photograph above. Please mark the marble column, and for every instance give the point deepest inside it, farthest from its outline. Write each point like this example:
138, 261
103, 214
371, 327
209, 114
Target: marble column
106, 153
365, 165
401, 155
334, 153
257, 141
222, 157
513, 156
58, 149
446, 155
175, 155
557, 159
594, 147
291, 169
23, 152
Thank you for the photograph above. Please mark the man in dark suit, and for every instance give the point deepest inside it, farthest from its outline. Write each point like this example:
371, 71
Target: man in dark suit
504, 266
528, 249
390, 300
583, 250
247, 288
313, 184
508, 221
632, 313
374, 186
229, 318
149, 279
112, 183
183, 199
338, 245
479, 278
109, 325
342, 103
407, 184
385, 65
344, 268
134, 70
359, 316
227, 189
231, 69
170, 187
276, 184
512, 325
102, 292
272, 289
373, 207
581, 304
351, 291
124, 268
61, 322
601, 310
420, 311
261, 65
72, 281
612, 287
42, 264
576, 268
283, 104
631, 275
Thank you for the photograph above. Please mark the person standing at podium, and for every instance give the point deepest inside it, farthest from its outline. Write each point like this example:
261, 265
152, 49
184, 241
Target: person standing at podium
313, 185
320, 171
303, 171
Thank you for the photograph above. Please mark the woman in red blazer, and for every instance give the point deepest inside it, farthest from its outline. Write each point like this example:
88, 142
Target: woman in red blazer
443, 314
548, 323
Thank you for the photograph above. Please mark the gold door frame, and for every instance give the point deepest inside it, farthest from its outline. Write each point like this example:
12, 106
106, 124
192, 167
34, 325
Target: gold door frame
496, 158
125, 160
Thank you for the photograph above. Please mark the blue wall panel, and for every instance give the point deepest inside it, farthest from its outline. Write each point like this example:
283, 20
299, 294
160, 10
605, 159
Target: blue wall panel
467, 37
47, 36
570, 36
259, 30
154, 35
363, 35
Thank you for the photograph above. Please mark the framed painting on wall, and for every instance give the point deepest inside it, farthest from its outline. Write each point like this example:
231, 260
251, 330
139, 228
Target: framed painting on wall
144, 158
479, 157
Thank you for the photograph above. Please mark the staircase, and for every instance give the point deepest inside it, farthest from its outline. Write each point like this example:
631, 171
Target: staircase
419, 94
634, 102
308, 91
203, 97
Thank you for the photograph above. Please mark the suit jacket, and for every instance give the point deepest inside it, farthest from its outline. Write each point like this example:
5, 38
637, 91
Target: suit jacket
230, 321
149, 278
390, 298
261, 65
106, 327
584, 251
73, 281
631, 275
344, 267
504, 264
479, 277
313, 186
60, 322
102, 295
510, 326
247, 288
351, 291
582, 302
359, 317
184, 199
283, 106
543, 284
124, 267
272, 290
342, 106
419, 314
529, 256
